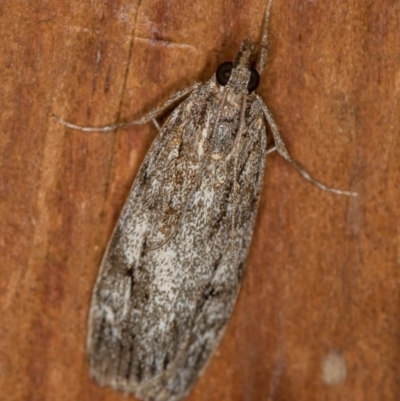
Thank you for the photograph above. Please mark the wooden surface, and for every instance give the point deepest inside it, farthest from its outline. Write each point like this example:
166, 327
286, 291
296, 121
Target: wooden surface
318, 317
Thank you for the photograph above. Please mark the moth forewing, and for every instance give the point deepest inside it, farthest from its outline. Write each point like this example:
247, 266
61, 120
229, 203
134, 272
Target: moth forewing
171, 272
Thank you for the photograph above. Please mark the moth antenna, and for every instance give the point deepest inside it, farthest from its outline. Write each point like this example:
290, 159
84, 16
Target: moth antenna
236, 162
264, 39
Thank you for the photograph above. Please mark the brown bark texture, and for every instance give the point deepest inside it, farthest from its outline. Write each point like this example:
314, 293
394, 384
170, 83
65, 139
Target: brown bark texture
318, 316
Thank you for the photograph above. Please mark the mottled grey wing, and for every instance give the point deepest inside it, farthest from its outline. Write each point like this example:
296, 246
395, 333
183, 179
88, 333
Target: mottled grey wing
171, 272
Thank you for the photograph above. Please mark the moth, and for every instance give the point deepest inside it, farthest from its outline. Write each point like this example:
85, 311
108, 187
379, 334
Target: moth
171, 272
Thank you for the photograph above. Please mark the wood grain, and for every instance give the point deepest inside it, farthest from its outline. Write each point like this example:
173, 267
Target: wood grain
322, 281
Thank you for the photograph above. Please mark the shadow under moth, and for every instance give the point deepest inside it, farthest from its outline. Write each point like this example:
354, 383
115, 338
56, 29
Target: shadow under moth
172, 269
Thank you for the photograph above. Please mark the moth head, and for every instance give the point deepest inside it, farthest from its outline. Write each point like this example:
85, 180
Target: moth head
239, 75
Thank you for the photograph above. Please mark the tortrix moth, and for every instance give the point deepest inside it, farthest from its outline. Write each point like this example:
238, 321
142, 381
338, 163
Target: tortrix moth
171, 272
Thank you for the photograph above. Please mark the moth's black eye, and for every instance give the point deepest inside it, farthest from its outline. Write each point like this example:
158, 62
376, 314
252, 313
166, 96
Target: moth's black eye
254, 80
224, 73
